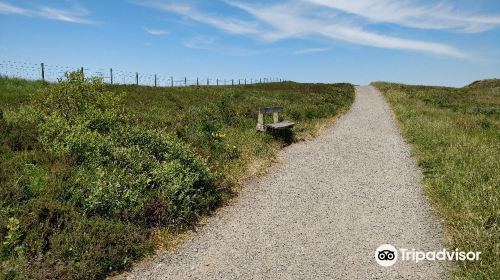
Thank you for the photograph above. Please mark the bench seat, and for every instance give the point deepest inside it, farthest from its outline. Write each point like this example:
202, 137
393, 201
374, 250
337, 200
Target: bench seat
280, 125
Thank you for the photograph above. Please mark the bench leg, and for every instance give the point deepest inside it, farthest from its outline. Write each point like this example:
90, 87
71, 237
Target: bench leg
275, 117
260, 123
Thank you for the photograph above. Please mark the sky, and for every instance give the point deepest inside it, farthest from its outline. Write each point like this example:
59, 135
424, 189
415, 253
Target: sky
411, 41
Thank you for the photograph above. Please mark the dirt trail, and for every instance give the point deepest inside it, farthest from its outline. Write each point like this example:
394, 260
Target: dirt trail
321, 213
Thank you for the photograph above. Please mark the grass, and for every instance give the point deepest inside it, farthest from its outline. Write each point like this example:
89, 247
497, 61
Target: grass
230, 112
455, 135
93, 176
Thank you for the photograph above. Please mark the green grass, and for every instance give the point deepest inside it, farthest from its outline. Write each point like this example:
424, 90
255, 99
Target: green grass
455, 135
196, 113
90, 173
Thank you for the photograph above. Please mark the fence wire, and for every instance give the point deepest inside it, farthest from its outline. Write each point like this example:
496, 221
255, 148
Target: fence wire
52, 72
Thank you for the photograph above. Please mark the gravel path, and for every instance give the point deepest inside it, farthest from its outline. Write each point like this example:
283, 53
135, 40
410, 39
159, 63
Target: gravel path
321, 213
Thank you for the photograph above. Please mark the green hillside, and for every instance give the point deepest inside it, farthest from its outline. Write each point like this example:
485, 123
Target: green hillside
455, 134
91, 175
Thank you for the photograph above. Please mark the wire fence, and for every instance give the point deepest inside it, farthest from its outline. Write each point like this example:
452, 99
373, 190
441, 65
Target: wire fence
51, 73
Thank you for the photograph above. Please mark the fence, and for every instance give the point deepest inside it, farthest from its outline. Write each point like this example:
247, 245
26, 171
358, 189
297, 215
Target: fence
51, 73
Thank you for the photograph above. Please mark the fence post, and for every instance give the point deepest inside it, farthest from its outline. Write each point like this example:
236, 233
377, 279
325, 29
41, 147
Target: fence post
83, 74
136, 78
43, 72
185, 81
217, 82
171, 81
208, 82
197, 81
155, 80
111, 75
232, 82
245, 81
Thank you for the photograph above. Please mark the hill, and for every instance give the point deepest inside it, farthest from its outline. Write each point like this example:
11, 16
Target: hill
487, 84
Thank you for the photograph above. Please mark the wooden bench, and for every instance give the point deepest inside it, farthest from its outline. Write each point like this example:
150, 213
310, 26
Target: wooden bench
262, 126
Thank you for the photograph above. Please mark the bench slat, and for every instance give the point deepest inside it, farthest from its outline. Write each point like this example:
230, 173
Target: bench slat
271, 110
281, 125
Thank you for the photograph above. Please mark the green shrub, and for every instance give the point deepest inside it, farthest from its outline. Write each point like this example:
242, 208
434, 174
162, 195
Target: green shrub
123, 180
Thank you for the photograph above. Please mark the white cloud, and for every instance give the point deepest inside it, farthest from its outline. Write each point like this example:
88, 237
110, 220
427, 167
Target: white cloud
9, 9
74, 15
338, 20
288, 22
414, 14
227, 24
310, 50
65, 15
211, 44
200, 42
155, 32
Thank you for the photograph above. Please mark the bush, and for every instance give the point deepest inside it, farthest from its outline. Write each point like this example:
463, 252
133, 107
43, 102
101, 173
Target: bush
122, 181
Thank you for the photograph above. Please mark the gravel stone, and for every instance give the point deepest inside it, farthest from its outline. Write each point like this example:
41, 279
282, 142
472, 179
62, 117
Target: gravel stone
321, 213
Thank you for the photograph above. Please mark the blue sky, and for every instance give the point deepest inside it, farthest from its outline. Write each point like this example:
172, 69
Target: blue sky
411, 41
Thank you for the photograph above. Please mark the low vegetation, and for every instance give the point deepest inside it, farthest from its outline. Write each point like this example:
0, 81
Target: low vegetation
455, 133
89, 172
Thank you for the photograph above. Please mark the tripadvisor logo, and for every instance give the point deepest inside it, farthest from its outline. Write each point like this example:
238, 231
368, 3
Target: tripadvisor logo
387, 255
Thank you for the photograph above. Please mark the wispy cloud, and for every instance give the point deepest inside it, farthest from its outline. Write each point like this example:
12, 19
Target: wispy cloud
353, 22
71, 16
200, 42
310, 50
231, 25
155, 32
290, 22
6, 8
210, 43
439, 15
76, 14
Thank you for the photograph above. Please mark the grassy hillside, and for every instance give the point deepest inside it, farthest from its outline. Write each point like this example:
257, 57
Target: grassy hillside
455, 134
92, 174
